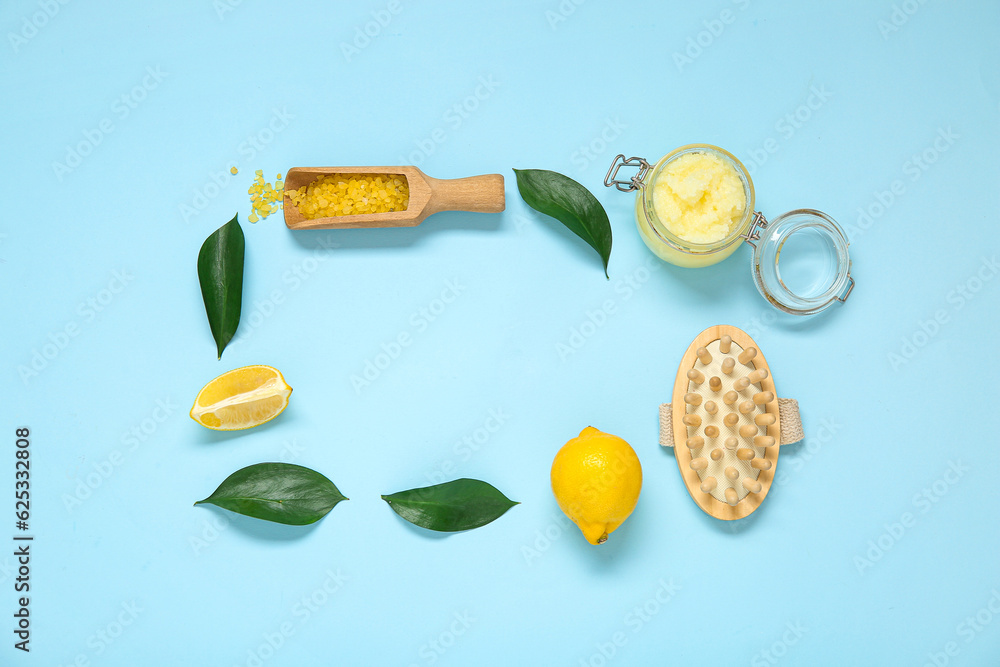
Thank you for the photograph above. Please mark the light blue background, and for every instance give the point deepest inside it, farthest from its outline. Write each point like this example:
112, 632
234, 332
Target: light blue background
210, 588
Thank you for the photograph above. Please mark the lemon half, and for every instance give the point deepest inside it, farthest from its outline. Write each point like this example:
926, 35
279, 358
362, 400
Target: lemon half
242, 398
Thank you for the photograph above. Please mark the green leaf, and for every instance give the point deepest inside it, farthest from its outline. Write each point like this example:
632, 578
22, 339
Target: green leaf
220, 272
570, 203
459, 505
279, 492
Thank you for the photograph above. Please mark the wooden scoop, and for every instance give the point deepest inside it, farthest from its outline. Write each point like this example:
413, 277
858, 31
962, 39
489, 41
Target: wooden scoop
479, 194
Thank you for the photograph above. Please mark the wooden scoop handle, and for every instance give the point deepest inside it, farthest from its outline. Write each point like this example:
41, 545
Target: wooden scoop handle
478, 194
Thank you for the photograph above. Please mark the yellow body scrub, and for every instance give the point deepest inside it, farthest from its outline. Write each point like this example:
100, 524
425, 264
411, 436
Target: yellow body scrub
699, 198
351, 194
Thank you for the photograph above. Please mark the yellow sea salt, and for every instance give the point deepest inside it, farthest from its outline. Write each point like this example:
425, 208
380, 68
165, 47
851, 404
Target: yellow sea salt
263, 195
351, 194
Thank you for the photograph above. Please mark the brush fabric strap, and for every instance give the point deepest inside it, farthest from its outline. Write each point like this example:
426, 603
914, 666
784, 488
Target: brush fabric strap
788, 415
791, 422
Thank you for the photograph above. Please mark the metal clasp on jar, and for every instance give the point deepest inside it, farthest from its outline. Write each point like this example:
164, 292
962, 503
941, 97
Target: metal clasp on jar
758, 223
850, 288
637, 181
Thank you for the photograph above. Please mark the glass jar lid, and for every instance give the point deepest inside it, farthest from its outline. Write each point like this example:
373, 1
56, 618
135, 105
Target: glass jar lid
800, 261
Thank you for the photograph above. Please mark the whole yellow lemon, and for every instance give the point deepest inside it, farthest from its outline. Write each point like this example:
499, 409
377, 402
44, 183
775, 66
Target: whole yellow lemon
596, 479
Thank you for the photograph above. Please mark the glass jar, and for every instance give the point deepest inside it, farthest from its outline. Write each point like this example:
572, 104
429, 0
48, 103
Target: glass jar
800, 261
672, 248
